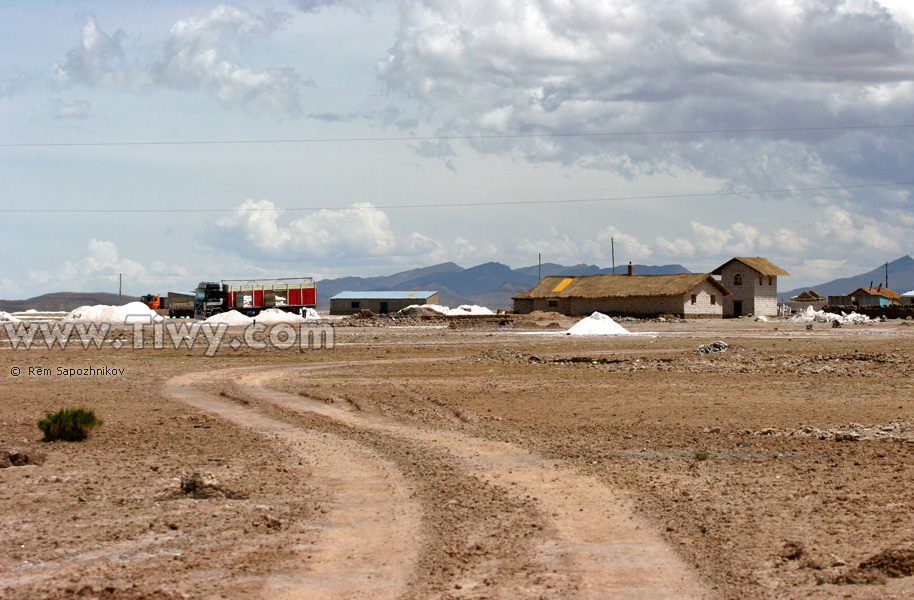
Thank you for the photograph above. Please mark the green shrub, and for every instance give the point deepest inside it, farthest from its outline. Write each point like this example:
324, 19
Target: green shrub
69, 425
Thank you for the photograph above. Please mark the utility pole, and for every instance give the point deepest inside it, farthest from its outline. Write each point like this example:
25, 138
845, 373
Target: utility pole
540, 262
120, 287
612, 245
886, 275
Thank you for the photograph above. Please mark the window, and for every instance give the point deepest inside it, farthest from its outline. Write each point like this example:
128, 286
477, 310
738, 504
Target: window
694, 298
355, 304
553, 303
770, 280
738, 279
713, 300
761, 280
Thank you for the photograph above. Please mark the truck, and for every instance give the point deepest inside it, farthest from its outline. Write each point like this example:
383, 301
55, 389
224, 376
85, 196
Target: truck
174, 304
250, 296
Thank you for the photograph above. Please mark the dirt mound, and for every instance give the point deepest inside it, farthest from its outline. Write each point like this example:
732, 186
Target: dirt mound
893, 563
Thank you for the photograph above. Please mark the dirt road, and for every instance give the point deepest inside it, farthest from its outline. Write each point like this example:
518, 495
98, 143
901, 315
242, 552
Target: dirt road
543, 530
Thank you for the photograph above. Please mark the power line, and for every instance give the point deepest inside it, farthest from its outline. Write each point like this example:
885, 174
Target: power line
457, 204
454, 137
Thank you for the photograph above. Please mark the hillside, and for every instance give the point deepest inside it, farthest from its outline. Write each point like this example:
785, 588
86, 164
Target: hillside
490, 284
900, 275
64, 301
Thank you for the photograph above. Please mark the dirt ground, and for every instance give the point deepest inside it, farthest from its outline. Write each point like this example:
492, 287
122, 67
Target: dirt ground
472, 460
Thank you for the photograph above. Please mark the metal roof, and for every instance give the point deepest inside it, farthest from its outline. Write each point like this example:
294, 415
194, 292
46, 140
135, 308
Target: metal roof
407, 295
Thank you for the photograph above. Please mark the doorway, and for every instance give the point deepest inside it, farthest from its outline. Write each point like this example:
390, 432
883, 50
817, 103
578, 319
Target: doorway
737, 308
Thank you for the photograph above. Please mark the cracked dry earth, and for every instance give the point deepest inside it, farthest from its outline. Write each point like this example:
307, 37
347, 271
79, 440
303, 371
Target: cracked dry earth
450, 463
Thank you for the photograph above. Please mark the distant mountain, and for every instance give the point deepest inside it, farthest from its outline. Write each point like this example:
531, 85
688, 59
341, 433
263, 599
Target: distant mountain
64, 301
490, 284
901, 279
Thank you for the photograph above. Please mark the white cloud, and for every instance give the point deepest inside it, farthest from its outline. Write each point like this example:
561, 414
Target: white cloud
739, 239
313, 6
78, 109
103, 266
97, 60
839, 228
561, 246
627, 245
258, 229
203, 53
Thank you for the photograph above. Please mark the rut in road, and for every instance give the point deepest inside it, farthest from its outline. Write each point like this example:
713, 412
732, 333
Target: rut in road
366, 549
589, 544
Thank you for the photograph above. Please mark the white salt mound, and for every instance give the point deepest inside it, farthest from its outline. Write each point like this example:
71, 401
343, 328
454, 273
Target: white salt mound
132, 312
808, 315
597, 324
310, 313
232, 317
5, 316
430, 309
274, 315
470, 309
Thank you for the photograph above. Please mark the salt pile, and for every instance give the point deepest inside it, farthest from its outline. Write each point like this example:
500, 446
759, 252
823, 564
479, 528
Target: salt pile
432, 309
470, 309
808, 315
597, 324
232, 317
5, 316
133, 312
274, 315
310, 313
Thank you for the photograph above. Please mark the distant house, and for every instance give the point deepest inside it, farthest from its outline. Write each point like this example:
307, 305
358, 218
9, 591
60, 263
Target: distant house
753, 286
350, 303
874, 296
689, 294
908, 298
806, 299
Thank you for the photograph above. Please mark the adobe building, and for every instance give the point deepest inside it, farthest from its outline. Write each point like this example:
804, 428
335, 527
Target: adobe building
753, 286
686, 294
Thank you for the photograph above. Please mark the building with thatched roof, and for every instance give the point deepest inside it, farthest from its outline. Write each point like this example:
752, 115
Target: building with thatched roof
874, 296
804, 300
688, 294
753, 286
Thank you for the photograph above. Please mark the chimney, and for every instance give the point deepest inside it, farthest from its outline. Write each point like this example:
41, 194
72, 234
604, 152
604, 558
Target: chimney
631, 269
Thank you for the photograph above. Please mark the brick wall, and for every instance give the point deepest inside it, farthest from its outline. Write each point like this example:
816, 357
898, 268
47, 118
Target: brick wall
758, 297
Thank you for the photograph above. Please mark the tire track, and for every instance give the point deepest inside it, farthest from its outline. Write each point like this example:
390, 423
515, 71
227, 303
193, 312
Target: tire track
593, 544
367, 547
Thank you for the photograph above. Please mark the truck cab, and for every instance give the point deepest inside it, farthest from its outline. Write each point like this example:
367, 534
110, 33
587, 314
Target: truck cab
209, 299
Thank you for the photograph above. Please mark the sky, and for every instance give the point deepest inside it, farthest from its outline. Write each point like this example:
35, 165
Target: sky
167, 143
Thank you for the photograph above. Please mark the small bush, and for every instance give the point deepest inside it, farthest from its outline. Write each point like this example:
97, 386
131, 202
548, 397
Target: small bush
702, 455
69, 425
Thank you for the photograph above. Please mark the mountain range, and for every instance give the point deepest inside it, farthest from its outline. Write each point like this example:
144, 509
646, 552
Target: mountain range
490, 284
899, 272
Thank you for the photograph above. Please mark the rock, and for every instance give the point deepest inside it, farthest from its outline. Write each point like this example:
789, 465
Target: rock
199, 487
792, 550
20, 457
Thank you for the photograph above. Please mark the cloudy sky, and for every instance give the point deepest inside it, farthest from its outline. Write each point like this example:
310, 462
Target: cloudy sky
173, 142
